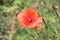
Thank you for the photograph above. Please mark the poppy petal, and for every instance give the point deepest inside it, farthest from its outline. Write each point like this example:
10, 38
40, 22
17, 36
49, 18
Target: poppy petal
29, 19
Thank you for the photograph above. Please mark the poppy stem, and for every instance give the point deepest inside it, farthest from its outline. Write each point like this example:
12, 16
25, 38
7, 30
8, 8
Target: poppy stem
12, 29
46, 27
56, 13
55, 9
45, 24
13, 25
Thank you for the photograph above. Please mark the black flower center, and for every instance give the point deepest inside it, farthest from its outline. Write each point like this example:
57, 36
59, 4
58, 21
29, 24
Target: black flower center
30, 20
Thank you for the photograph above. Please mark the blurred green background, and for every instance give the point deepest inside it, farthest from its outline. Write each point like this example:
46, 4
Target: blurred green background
48, 9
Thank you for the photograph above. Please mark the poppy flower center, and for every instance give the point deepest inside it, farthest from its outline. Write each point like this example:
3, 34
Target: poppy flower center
30, 20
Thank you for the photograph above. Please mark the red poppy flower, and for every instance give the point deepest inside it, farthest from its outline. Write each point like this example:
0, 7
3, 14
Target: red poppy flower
29, 19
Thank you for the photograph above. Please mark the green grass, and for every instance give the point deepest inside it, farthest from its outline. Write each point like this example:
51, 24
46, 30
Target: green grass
48, 9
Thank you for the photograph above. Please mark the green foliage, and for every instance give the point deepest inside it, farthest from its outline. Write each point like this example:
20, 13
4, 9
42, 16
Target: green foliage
48, 9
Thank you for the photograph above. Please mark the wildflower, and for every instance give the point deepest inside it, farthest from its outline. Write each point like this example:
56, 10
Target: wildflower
29, 19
